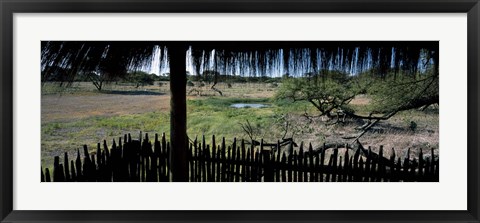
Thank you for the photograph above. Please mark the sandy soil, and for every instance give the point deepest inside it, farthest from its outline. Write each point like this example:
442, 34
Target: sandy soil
82, 106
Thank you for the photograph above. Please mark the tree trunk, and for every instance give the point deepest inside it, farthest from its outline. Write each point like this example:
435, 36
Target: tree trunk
178, 113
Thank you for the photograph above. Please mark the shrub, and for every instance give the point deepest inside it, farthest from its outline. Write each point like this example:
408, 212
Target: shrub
413, 126
273, 85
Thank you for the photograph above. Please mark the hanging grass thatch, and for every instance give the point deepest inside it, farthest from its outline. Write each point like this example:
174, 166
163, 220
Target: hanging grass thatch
247, 58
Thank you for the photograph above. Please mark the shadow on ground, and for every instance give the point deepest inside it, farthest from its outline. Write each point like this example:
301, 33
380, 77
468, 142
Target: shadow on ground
134, 92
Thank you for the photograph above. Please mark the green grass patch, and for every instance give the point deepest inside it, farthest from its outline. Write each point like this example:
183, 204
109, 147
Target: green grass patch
215, 116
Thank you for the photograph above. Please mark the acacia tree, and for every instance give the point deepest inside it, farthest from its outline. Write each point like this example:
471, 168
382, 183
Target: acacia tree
391, 93
329, 91
209, 77
97, 79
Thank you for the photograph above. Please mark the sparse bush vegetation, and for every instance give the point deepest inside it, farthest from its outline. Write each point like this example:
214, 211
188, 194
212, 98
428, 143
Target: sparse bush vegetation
140, 78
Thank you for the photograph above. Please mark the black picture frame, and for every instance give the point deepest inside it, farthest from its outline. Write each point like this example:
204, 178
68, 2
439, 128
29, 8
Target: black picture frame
9, 7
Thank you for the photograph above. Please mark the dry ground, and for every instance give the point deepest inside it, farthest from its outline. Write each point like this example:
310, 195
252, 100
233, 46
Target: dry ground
83, 106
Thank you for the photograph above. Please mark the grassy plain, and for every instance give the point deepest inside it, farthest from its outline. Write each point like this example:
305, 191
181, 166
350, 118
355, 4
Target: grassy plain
79, 114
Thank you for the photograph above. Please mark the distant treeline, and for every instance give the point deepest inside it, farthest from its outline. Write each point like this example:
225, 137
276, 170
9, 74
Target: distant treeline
144, 78
63, 75
208, 76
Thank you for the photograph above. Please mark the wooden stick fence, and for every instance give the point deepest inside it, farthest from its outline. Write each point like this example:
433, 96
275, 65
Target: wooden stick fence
142, 161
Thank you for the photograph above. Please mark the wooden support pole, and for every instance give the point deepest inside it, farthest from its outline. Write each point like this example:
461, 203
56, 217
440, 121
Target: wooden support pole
178, 112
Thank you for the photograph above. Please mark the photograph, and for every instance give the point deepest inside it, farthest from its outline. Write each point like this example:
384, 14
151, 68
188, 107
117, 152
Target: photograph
239, 111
